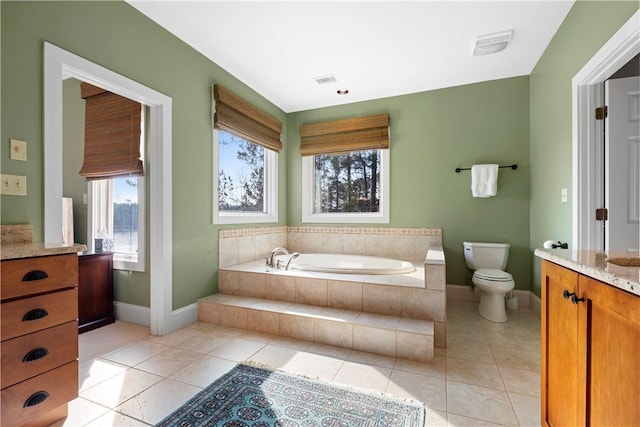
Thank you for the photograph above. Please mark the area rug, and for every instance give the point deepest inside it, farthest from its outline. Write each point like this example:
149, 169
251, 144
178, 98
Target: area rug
254, 397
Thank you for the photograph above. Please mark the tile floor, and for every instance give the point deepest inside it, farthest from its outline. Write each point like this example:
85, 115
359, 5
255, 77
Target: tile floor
488, 375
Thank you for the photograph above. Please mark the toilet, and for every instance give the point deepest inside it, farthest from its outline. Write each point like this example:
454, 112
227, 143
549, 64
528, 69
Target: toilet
488, 261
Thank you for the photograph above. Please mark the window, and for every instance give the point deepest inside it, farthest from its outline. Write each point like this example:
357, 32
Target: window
117, 217
245, 181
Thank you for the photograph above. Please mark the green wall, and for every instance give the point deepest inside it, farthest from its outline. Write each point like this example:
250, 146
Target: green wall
432, 133
586, 28
118, 37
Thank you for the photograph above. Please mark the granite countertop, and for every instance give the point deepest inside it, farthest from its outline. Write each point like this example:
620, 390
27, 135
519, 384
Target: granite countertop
594, 264
28, 250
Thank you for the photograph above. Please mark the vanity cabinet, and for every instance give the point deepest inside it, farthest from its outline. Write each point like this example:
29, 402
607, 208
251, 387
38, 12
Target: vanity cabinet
590, 346
95, 290
39, 344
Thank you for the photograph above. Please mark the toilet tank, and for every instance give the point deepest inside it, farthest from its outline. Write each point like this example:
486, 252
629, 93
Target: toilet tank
486, 255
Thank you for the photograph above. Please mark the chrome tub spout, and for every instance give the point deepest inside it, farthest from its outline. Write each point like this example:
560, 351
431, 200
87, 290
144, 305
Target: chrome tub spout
270, 259
291, 258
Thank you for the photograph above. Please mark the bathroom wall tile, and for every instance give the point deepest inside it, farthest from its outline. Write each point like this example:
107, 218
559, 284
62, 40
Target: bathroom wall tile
312, 243
424, 304
280, 287
234, 317
228, 250
280, 240
414, 346
311, 291
333, 333
342, 294
263, 321
421, 245
296, 327
435, 277
440, 334
294, 242
377, 244
354, 244
264, 245
208, 313
246, 249
401, 247
332, 243
374, 340
380, 321
252, 285
228, 282
381, 299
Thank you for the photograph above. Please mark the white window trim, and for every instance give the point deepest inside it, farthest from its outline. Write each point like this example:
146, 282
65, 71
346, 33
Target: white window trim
270, 191
381, 217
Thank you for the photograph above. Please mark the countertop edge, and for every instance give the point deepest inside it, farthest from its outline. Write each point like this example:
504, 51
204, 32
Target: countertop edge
11, 251
592, 270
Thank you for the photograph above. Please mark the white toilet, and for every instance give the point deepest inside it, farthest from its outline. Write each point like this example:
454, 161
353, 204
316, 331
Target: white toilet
488, 261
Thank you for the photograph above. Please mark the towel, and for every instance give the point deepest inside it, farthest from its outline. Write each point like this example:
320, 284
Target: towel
484, 180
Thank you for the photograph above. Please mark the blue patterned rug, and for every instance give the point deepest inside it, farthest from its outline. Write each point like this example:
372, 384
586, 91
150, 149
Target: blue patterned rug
254, 397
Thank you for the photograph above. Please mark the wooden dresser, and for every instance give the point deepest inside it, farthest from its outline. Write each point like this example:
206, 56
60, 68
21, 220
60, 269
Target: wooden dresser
39, 334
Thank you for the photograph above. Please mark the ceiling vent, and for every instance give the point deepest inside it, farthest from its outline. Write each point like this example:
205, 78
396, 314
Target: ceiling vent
492, 43
323, 80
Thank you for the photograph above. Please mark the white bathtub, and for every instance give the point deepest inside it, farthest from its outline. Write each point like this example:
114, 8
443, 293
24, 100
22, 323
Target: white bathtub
346, 264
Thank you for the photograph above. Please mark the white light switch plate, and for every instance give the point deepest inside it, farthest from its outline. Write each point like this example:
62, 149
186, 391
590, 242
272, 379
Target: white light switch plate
18, 149
563, 195
13, 185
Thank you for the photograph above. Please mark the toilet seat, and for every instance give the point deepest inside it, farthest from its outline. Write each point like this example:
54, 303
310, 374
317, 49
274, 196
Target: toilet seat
492, 275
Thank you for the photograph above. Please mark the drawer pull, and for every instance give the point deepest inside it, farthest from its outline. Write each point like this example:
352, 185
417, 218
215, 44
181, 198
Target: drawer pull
34, 275
35, 314
35, 354
36, 399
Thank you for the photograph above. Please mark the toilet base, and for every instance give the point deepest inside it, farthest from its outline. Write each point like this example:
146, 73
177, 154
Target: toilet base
492, 306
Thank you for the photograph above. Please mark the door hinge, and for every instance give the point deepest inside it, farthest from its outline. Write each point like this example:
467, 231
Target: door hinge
602, 214
602, 113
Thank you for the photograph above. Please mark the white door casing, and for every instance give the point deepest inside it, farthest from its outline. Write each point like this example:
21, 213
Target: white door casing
622, 146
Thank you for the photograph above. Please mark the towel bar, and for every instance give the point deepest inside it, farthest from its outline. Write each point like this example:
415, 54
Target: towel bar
514, 167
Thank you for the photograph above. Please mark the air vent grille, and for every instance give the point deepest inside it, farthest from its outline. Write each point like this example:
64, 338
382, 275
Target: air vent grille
323, 80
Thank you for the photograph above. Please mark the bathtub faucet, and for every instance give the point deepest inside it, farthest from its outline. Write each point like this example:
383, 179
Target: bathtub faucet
291, 258
270, 260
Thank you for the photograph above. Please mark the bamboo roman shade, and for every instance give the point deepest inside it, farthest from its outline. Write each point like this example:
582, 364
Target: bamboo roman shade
342, 136
235, 115
111, 135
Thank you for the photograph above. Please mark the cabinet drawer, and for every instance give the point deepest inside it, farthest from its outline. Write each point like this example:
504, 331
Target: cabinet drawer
30, 399
33, 354
29, 276
44, 311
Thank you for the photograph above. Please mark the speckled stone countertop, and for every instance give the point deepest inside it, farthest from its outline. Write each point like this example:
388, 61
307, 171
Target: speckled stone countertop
28, 250
594, 264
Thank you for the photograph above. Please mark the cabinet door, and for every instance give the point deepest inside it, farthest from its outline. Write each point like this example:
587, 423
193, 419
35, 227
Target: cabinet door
559, 347
609, 319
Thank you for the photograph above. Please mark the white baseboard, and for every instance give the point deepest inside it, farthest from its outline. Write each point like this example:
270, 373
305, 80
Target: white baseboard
526, 299
535, 303
141, 315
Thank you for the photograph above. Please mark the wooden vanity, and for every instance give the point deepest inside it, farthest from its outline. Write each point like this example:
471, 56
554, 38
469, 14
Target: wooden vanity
39, 332
590, 340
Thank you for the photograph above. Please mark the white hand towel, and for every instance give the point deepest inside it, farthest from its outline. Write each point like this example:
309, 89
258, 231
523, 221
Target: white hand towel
484, 180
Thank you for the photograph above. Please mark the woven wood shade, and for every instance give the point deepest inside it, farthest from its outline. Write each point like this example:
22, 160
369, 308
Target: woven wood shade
235, 115
111, 135
343, 136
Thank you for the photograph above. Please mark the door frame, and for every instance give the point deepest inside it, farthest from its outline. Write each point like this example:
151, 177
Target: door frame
587, 151
59, 64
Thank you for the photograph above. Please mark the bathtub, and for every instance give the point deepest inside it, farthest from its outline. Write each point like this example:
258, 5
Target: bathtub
346, 264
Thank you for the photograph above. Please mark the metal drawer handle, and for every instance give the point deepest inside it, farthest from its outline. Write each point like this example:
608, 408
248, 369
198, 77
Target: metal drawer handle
34, 275
35, 314
36, 399
35, 354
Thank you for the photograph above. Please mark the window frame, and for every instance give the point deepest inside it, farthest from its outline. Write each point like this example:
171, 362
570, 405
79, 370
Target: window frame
270, 213
380, 217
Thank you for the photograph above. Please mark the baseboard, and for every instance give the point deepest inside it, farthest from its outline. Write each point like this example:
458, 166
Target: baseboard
131, 313
526, 299
535, 303
141, 315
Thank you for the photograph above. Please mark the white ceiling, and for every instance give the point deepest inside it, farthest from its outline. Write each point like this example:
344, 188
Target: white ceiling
376, 49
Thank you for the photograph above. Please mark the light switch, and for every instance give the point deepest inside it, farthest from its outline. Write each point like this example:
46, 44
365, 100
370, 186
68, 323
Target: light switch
18, 149
563, 195
13, 185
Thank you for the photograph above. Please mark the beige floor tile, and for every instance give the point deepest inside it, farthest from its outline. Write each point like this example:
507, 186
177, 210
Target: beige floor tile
237, 349
371, 359
314, 365
81, 412
96, 371
436, 368
329, 350
363, 376
460, 421
115, 390
430, 390
516, 358
478, 352
433, 418
204, 342
116, 419
520, 341
527, 409
175, 338
95, 343
273, 356
478, 373
203, 371
257, 336
521, 381
483, 403
169, 361
158, 401
136, 353
291, 342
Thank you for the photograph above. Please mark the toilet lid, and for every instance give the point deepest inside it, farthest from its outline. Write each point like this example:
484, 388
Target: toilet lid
492, 274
